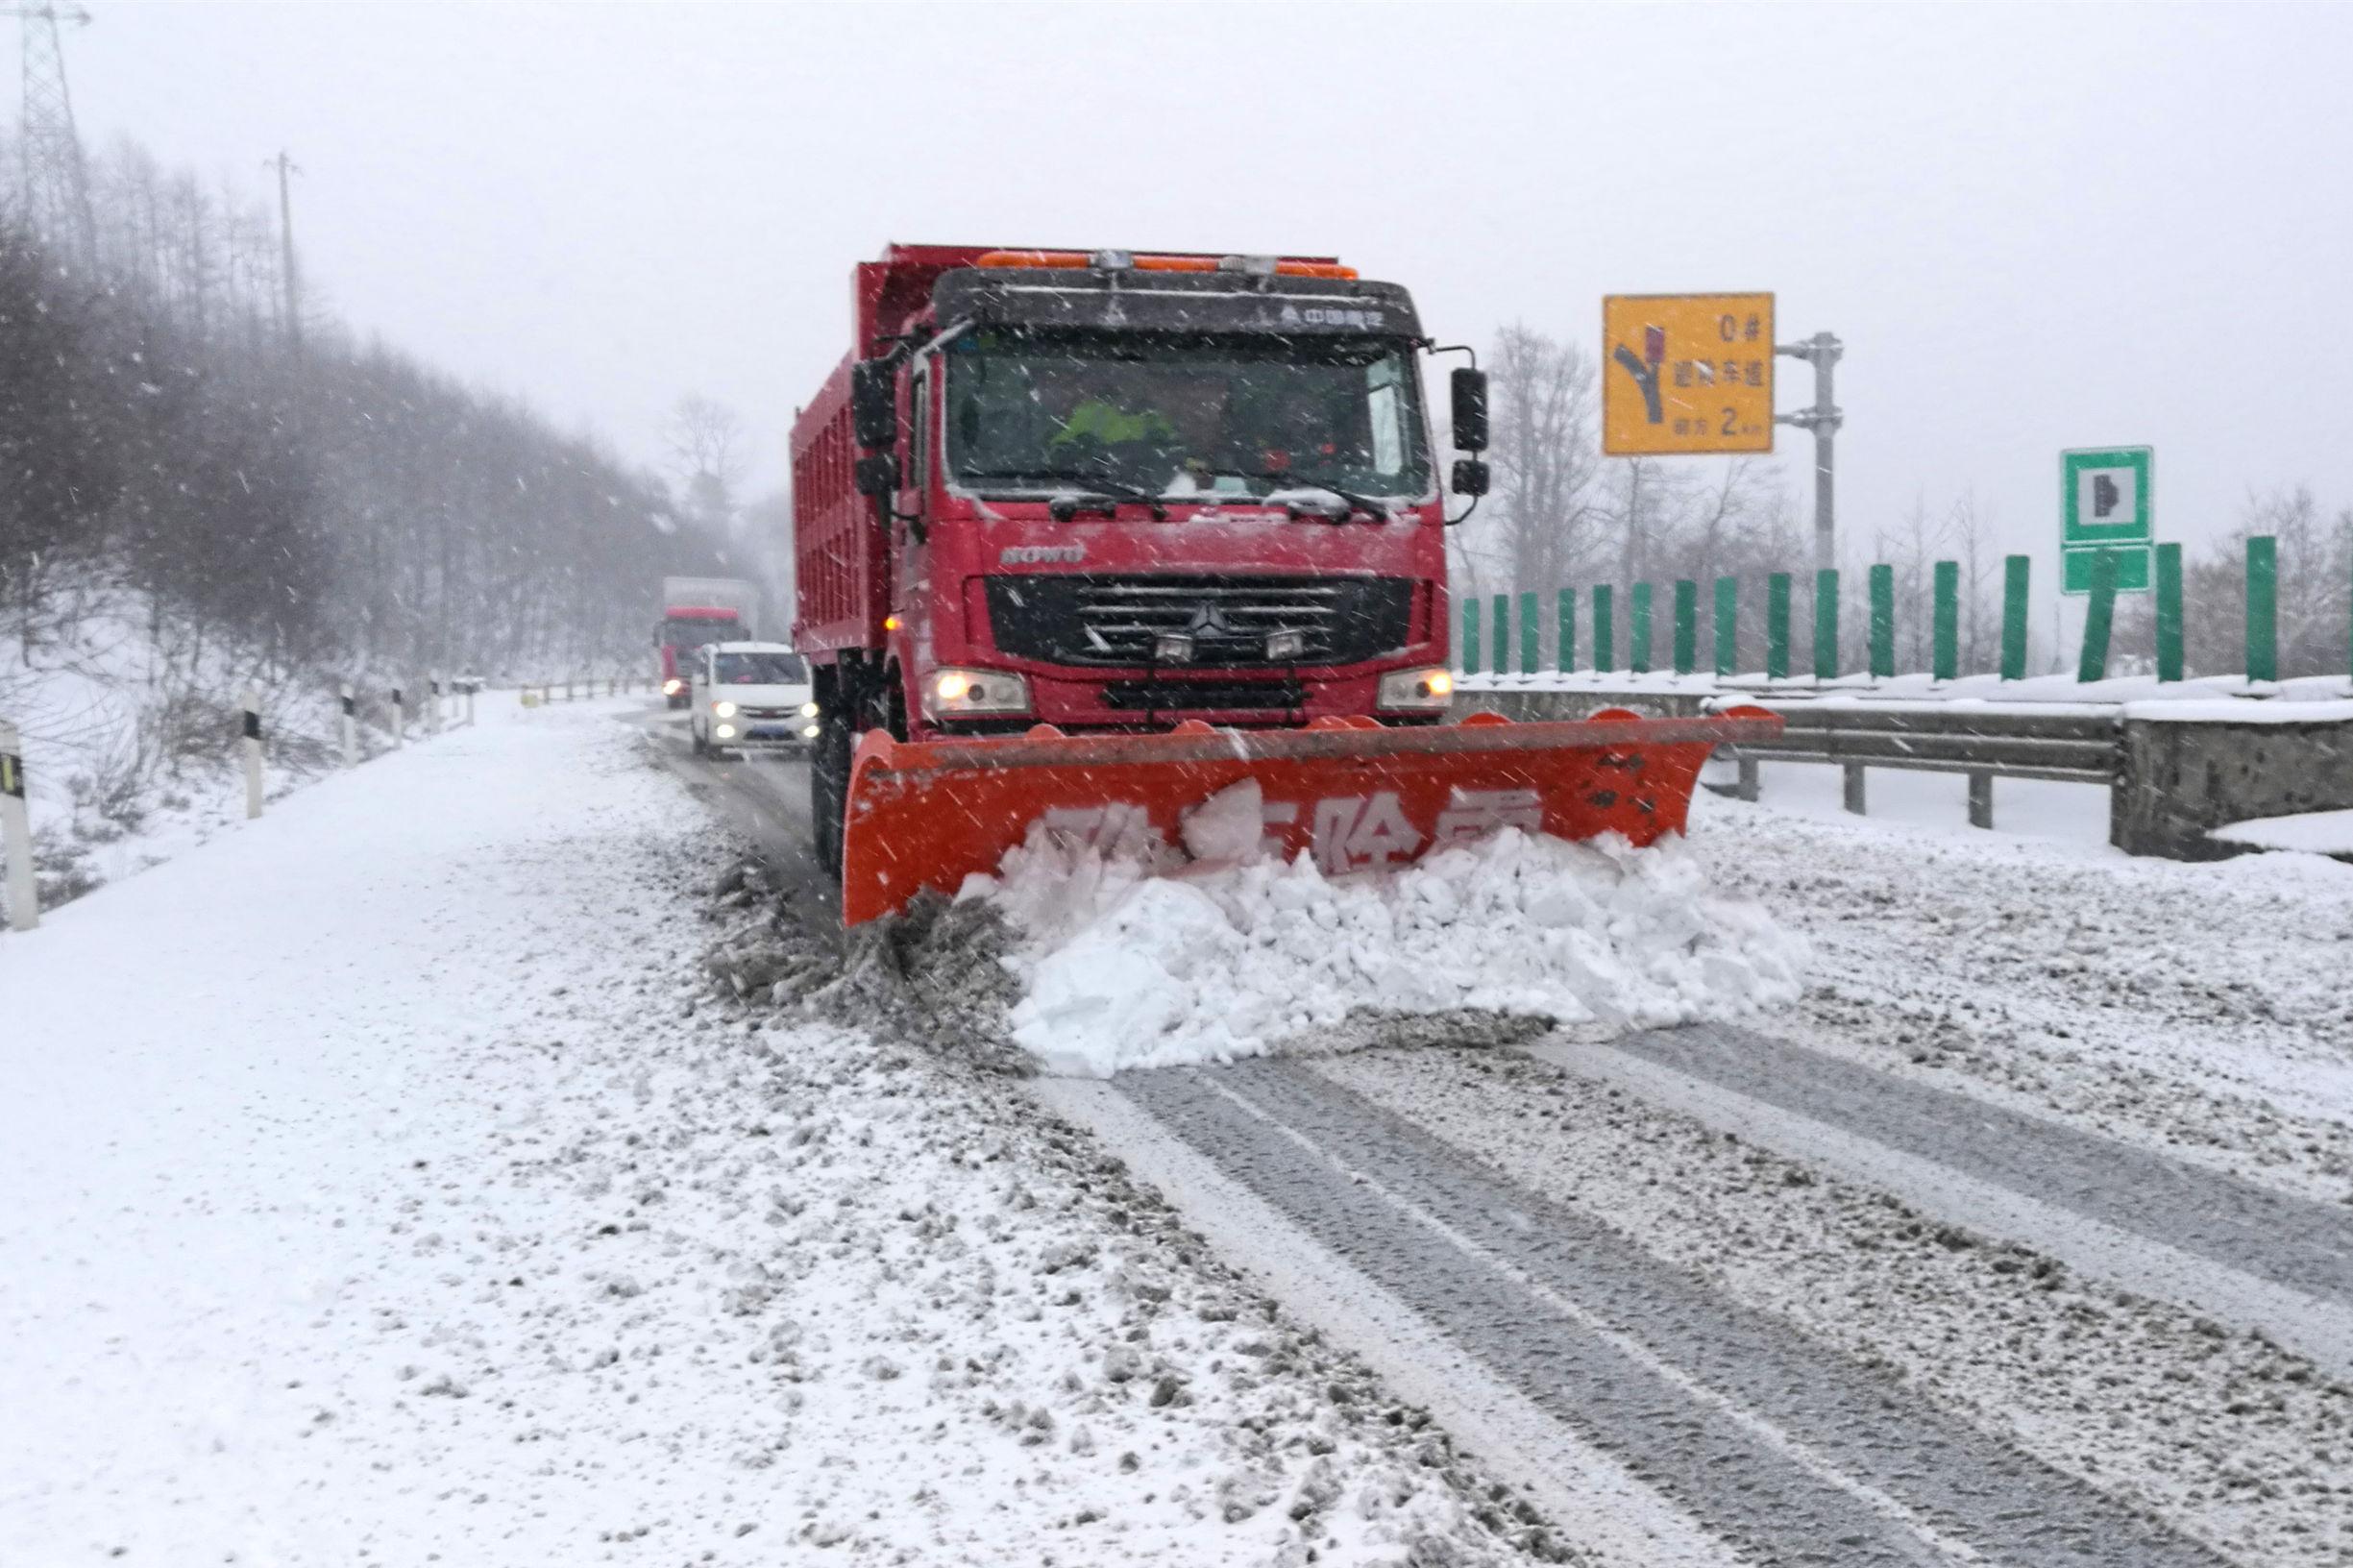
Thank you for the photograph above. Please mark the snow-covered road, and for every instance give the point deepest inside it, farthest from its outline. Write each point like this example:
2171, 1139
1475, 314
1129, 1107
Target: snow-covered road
382, 1187
2047, 1171
418, 1193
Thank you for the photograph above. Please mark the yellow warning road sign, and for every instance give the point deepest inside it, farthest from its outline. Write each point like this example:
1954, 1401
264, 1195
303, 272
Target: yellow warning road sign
1687, 373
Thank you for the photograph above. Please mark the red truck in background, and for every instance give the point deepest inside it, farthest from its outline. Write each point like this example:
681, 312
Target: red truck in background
1112, 492
695, 611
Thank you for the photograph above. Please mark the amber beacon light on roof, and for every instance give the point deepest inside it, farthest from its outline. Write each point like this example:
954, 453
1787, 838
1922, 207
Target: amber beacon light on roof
1258, 267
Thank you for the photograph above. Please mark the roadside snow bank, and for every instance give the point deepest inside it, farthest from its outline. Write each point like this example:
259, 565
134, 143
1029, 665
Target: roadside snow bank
1129, 961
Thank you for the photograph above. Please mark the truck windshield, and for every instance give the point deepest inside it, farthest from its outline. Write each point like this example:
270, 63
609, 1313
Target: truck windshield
680, 632
758, 669
1035, 413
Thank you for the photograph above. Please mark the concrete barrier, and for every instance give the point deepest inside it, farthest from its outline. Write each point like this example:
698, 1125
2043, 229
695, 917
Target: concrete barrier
2188, 767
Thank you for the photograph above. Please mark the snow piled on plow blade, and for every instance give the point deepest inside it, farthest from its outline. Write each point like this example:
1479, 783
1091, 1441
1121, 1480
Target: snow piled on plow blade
1143, 958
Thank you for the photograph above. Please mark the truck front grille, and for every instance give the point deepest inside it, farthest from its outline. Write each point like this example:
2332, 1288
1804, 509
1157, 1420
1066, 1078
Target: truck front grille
1203, 696
1086, 619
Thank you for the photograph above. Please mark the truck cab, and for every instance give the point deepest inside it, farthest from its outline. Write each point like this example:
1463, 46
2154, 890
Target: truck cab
1114, 491
679, 640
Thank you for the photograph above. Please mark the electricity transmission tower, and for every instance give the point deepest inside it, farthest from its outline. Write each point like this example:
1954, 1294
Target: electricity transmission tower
292, 279
57, 189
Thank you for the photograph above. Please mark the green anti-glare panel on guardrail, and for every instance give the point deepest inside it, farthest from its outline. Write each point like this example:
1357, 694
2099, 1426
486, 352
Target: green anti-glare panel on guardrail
1727, 624
2262, 608
2169, 612
2097, 615
1605, 630
1825, 624
1882, 622
1470, 635
1947, 657
1503, 634
2014, 578
1687, 626
1777, 625
1638, 636
1566, 614
1529, 626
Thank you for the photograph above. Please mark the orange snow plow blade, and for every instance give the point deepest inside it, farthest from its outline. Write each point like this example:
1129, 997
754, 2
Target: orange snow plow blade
1354, 792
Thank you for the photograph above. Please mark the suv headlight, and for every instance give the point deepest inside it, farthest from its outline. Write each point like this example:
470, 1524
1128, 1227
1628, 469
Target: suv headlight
1428, 690
724, 708
956, 694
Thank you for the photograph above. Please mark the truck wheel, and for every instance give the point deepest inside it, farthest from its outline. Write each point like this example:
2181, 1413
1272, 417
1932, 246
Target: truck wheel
829, 786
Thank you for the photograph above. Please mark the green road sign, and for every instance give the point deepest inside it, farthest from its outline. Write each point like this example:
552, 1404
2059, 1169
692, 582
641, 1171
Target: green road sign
2103, 496
2132, 567
2104, 508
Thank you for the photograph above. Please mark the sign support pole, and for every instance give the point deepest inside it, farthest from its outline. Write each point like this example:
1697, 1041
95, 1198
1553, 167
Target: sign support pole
1823, 350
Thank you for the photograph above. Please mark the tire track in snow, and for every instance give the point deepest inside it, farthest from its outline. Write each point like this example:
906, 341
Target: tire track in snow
2225, 1219
1786, 1448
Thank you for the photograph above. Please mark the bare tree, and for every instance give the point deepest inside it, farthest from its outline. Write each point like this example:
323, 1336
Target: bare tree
704, 439
2315, 576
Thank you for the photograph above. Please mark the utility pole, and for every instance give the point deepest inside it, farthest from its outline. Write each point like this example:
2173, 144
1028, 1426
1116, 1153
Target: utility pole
1630, 567
1821, 350
56, 182
286, 169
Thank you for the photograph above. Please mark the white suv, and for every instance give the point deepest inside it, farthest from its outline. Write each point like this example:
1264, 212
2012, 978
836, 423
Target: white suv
750, 695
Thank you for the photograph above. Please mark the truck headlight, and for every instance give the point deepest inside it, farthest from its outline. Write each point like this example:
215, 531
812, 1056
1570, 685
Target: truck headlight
1428, 689
809, 732
725, 732
724, 709
955, 694
673, 686
809, 710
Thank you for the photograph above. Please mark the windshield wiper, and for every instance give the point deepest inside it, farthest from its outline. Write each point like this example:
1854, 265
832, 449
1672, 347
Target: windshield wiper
1350, 501
1101, 487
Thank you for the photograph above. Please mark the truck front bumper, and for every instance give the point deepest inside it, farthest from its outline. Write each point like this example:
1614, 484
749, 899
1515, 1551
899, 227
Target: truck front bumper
1234, 700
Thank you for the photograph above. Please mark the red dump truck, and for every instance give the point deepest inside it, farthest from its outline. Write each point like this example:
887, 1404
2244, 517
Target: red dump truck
695, 611
1089, 536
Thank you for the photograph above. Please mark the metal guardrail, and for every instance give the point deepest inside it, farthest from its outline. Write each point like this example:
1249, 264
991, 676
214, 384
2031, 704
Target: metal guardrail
2073, 749
2174, 769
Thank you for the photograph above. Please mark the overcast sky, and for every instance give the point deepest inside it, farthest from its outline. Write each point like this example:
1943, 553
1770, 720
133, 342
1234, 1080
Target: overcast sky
2035, 228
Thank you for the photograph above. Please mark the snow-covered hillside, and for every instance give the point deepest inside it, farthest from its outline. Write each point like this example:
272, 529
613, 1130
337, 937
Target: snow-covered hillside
129, 725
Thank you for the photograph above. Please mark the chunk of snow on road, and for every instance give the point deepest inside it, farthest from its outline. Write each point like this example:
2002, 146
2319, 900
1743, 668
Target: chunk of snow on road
1236, 954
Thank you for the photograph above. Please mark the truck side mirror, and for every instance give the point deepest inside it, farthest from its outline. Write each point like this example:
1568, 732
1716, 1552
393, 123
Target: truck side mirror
873, 403
1470, 478
1470, 411
878, 474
